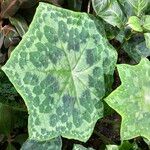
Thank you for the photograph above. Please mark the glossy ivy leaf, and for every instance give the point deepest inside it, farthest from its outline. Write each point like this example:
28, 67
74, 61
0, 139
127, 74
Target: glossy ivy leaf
132, 100
54, 144
138, 6
147, 39
59, 69
135, 23
146, 22
110, 11
80, 147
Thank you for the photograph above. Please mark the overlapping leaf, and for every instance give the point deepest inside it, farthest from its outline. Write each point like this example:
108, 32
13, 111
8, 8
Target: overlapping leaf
54, 144
80, 147
59, 69
110, 11
132, 100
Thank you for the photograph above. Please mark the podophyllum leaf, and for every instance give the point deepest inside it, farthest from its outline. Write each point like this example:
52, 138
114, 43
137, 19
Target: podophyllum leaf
59, 68
110, 11
53, 144
147, 39
138, 6
132, 100
80, 147
20, 24
135, 23
136, 47
146, 22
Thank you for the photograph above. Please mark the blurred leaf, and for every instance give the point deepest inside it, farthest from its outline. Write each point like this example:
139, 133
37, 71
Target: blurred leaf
110, 11
21, 138
11, 36
11, 48
2, 58
75, 4
27, 3
1, 39
80, 147
9, 8
147, 39
146, 22
135, 23
53, 144
6, 119
136, 47
20, 24
10, 147
138, 6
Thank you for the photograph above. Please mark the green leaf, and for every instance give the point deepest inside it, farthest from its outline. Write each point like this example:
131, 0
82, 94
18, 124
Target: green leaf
54, 144
135, 23
59, 68
136, 47
146, 22
110, 11
20, 24
80, 147
132, 100
138, 6
147, 39
10, 147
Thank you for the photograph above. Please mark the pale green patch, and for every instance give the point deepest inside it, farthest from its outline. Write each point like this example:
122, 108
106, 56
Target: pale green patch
59, 68
131, 100
80, 147
135, 23
147, 39
146, 22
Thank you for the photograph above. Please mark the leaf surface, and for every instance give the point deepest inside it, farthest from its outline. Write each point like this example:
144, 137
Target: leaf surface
54, 144
132, 100
80, 147
59, 68
110, 11
147, 39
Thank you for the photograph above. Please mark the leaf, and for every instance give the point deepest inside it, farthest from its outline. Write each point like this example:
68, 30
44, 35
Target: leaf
75, 4
135, 23
54, 144
132, 100
110, 11
59, 68
9, 8
147, 39
136, 47
6, 119
146, 22
80, 147
20, 24
138, 6
10, 147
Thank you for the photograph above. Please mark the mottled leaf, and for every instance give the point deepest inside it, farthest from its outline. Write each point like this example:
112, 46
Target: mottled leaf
53, 144
20, 24
138, 6
59, 68
110, 11
136, 47
80, 147
135, 23
147, 39
132, 100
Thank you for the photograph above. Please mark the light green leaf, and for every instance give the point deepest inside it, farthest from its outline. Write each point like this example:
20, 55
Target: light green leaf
132, 100
80, 147
54, 144
135, 23
59, 69
110, 11
138, 6
147, 39
146, 22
